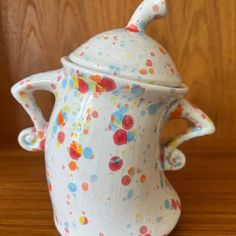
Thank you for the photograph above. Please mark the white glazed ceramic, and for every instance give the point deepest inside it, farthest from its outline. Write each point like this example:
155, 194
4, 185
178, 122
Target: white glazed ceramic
104, 161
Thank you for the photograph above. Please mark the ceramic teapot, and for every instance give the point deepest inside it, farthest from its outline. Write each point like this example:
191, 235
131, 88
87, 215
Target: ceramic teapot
104, 160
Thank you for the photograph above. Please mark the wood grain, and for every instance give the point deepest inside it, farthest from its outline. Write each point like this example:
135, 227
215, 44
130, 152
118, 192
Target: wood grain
206, 187
199, 34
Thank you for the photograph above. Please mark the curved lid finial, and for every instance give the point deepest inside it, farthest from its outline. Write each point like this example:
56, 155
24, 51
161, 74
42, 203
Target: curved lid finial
146, 12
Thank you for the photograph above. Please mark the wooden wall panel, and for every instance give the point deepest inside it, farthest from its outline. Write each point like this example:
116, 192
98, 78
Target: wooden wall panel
199, 34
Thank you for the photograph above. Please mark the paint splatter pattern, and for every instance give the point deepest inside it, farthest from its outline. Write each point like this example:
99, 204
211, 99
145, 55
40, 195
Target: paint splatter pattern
105, 166
72, 149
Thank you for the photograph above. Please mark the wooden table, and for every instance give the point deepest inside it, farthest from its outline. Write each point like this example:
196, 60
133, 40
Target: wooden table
207, 187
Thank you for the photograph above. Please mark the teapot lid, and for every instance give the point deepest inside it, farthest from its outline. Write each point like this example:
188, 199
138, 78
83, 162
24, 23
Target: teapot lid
129, 53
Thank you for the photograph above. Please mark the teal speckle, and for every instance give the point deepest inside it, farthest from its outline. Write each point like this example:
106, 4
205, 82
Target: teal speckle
167, 204
72, 187
137, 90
158, 219
143, 113
128, 226
152, 109
142, 24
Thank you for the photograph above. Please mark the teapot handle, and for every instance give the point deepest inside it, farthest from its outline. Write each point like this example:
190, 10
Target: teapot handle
33, 139
171, 157
147, 11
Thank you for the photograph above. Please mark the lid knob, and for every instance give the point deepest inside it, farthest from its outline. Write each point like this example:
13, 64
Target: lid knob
146, 12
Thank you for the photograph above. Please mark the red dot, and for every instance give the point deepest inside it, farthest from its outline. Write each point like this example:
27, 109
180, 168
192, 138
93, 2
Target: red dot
108, 84
115, 163
126, 180
174, 204
53, 86
42, 144
127, 122
83, 86
61, 137
75, 150
95, 114
157, 17
149, 63
143, 230
132, 28
120, 137
155, 8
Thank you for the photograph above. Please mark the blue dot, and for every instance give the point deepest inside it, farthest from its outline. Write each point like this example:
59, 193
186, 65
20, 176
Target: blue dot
76, 93
72, 187
130, 136
123, 109
113, 127
71, 83
54, 129
130, 193
137, 90
152, 109
118, 116
88, 153
93, 178
64, 83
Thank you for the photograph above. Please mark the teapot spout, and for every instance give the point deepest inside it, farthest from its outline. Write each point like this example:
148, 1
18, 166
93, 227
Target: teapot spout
145, 13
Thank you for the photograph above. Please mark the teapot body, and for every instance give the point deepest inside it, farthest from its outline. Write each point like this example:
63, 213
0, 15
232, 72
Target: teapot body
103, 157
104, 160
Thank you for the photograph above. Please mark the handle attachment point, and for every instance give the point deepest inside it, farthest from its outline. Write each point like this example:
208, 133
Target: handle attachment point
33, 139
171, 157
30, 141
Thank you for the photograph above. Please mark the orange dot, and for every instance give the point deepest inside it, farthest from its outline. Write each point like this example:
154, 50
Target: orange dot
96, 78
85, 187
151, 71
29, 86
73, 165
85, 131
131, 171
142, 178
50, 187
83, 220
177, 112
143, 71
22, 93
60, 119
40, 134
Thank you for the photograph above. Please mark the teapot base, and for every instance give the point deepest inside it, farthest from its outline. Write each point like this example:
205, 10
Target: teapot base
164, 229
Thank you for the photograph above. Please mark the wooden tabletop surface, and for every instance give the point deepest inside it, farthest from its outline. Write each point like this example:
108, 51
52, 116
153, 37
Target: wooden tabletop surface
207, 187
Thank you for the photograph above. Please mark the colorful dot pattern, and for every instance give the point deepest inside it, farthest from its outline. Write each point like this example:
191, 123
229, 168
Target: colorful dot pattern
104, 164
